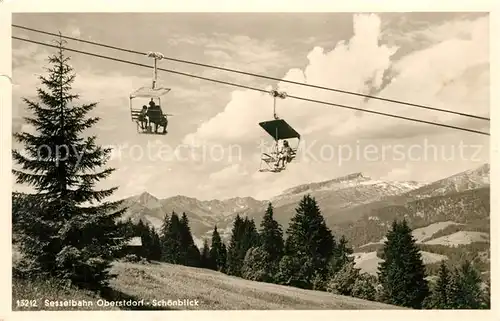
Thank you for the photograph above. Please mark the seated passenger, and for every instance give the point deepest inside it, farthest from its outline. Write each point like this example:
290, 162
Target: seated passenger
285, 155
143, 117
156, 115
164, 123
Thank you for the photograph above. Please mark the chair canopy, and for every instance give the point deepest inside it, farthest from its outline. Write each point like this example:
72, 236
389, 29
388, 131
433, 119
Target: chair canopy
148, 92
279, 129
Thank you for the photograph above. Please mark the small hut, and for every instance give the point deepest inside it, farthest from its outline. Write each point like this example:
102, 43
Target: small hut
134, 246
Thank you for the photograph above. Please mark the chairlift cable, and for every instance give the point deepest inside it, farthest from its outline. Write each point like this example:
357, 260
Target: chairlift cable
259, 75
256, 89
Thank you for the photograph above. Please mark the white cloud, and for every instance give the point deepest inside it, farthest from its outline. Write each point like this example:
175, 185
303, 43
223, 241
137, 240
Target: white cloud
429, 76
451, 73
348, 67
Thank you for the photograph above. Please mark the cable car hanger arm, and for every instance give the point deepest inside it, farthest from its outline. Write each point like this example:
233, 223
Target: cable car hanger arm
276, 94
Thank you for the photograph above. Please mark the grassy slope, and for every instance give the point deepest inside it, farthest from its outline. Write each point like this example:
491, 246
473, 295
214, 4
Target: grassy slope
214, 290
217, 291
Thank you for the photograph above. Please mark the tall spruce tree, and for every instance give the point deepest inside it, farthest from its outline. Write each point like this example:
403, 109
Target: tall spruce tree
217, 252
402, 272
270, 250
309, 243
223, 258
250, 237
128, 228
340, 256
142, 231
205, 255
164, 238
172, 241
155, 253
271, 236
440, 294
73, 234
465, 288
189, 252
234, 260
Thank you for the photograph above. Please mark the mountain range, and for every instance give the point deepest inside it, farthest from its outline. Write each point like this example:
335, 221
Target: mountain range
354, 205
450, 218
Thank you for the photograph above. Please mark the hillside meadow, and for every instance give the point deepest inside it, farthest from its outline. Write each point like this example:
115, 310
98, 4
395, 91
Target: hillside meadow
213, 290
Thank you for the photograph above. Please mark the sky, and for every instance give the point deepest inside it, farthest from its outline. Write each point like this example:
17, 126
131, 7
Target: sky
213, 146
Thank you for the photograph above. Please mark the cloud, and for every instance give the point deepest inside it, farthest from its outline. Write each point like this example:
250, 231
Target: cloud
218, 182
220, 125
451, 72
234, 51
348, 67
428, 76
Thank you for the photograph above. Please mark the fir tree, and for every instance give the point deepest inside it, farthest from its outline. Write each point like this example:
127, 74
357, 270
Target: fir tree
250, 237
465, 289
165, 226
73, 234
223, 258
402, 272
164, 238
340, 256
155, 253
217, 252
142, 230
309, 241
129, 228
172, 241
205, 255
244, 236
271, 240
261, 261
233, 255
190, 255
440, 294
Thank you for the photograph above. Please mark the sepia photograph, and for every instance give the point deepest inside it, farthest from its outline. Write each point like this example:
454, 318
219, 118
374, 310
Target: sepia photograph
250, 161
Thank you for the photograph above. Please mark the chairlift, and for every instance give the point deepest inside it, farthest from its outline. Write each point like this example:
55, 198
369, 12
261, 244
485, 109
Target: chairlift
280, 131
153, 114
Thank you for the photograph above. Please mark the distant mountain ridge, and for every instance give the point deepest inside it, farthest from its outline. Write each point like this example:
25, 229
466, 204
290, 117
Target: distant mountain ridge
450, 217
467, 180
344, 201
349, 189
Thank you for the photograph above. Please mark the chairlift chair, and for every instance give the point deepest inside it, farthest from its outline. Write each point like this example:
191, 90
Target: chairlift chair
279, 130
156, 116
